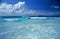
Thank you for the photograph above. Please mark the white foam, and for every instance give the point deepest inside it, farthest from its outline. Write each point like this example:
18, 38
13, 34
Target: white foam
38, 17
11, 19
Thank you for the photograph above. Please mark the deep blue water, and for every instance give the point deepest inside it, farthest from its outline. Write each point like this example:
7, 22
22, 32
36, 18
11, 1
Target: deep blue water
30, 28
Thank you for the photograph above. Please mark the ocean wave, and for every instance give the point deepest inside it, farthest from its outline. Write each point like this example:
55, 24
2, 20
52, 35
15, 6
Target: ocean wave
11, 19
38, 17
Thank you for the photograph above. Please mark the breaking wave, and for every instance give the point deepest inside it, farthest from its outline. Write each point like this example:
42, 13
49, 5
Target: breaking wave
11, 19
38, 17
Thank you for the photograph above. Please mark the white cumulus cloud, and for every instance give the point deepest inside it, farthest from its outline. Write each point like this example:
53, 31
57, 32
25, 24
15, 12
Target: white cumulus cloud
19, 9
4, 7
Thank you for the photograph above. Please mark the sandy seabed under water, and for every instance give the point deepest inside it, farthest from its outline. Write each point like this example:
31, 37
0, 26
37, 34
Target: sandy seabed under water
32, 28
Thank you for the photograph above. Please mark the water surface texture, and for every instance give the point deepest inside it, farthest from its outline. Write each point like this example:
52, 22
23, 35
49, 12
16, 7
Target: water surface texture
30, 28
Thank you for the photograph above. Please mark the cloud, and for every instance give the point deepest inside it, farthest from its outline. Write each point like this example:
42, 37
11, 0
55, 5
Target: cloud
19, 9
56, 7
4, 7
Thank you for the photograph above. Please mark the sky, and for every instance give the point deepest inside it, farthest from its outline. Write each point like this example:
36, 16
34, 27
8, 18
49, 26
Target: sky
30, 6
37, 4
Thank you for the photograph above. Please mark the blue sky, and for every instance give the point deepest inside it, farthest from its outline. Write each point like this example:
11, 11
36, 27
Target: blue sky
30, 6
37, 4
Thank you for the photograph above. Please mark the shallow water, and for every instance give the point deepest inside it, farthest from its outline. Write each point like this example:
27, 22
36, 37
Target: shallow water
30, 28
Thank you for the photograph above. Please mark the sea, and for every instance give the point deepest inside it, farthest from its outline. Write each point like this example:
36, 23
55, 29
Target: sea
29, 27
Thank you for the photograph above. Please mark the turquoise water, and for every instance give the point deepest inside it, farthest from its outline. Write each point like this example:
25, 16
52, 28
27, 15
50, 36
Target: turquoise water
30, 28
